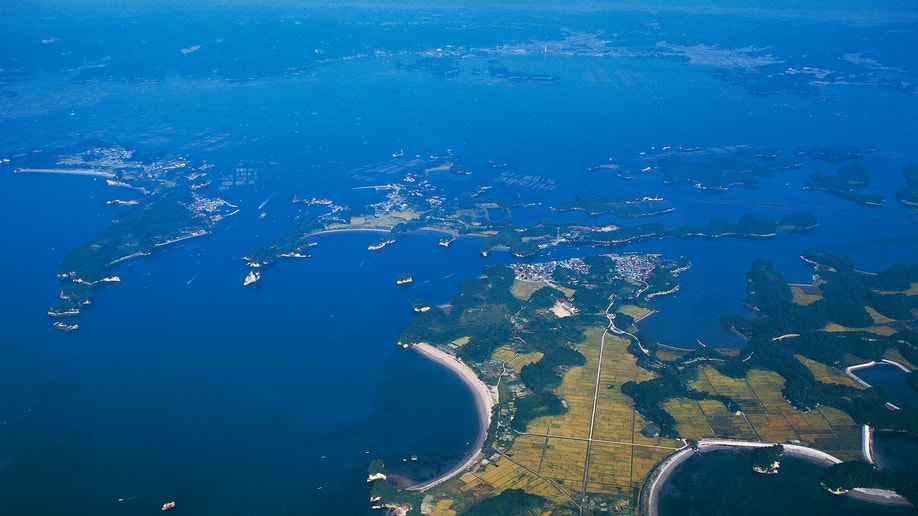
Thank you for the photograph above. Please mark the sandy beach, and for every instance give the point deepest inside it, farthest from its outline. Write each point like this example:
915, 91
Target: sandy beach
659, 475
485, 400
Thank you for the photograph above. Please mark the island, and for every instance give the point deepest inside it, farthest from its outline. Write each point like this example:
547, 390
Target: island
844, 183
413, 203
171, 208
909, 195
767, 460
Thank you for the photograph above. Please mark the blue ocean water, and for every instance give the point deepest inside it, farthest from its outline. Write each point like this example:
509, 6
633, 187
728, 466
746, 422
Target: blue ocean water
894, 383
722, 482
181, 384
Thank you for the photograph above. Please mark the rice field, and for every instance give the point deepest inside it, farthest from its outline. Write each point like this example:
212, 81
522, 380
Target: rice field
877, 317
895, 356
827, 374
555, 453
504, 474
556, 447
514, 360
877, 329
803, 294
766, 415
635, 312
563, 462
518, 362
912, 291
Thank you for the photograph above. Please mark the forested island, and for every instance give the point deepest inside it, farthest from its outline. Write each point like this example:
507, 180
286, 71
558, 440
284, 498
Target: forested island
588, 202
767, 460
909, 195
170, 207
844, 183
413, 203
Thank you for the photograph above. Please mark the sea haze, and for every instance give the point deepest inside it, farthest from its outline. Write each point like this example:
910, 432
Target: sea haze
181, 384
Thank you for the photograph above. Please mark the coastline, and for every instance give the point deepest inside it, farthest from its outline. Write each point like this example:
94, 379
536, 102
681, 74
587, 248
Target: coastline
485, 401
650, 491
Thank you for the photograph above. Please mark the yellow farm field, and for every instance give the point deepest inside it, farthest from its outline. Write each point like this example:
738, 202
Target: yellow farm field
503, 353
692, 423
895, 356
710, 380
802, 298
767, 387
504, 474
826, 374
523, 290
517, 363
564, 461
635, 312
514, 360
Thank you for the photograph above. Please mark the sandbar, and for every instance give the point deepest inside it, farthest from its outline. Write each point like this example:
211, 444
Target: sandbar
485, 400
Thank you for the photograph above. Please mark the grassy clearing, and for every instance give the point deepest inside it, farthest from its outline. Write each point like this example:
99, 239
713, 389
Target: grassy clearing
610, 469
529, 450
836, 417
827, 374
895, 356
878, 329
503, 354
514, 360
461, 341
387, 221
716, 383
801, 297
635, 312
877, 317
834, 328
767, 387
670, 354
522, 360
692, 421
912, 291
523, 290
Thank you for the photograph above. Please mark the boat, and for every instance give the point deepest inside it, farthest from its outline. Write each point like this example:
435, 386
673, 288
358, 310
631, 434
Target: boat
168, 505
404, 279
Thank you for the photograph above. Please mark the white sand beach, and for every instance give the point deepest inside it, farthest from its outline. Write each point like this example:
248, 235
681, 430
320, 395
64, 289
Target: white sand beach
485, 400
661, 473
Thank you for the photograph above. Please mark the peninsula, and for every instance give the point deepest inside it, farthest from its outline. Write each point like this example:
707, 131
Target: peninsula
559, 343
